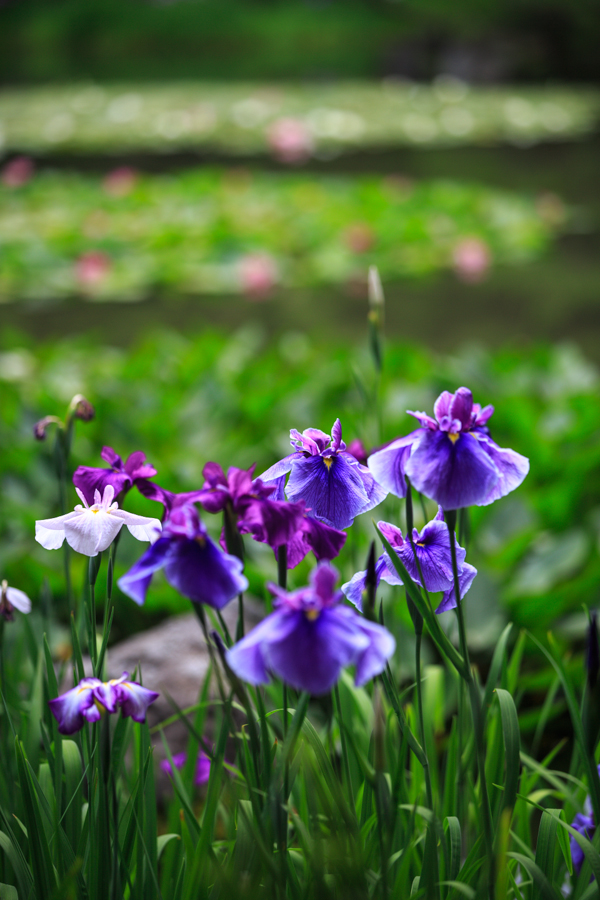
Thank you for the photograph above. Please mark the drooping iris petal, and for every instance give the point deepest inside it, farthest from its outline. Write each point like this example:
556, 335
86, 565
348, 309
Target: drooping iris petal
18, 599
50, 533
454, 473
120, 476
388, 464
511, 466
380, 646
332, 489
355, 588
134, 699
465, 580
199, 570
249, 658
69, 709
136, 581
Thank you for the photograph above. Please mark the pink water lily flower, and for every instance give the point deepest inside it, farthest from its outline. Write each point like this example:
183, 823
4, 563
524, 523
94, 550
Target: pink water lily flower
91, 529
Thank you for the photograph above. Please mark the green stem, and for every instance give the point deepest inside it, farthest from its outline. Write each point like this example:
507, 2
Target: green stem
426, 769
93, 569
345, 757
475, 700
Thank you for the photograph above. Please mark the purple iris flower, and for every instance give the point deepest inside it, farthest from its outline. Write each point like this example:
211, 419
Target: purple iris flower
270, 521
91, 697
121, 475
432, 546
324, 541
584, 824
310, 637
451, 458
193, 563
335, 486
202, 773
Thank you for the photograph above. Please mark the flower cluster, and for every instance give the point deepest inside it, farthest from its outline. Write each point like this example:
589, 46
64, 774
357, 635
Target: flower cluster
451, 458
310, 637
88, 700
121, 475
429, 564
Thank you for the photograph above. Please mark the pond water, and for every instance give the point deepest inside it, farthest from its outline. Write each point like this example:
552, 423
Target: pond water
555, 298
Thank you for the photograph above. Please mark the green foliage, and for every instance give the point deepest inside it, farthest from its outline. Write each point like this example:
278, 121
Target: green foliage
195, 232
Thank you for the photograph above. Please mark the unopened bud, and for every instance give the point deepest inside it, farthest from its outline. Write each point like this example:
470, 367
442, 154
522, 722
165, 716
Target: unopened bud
81, 408
40, 428
376, 296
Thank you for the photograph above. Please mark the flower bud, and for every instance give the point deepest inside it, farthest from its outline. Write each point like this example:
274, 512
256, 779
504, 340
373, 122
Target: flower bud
40, 427
81, 408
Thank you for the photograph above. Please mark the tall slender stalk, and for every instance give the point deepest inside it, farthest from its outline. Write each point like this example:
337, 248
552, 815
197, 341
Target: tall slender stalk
345, 757
475, 700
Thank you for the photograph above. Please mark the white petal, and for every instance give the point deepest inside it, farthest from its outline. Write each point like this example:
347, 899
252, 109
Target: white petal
18, 599
143, 528
91, 532
50, 533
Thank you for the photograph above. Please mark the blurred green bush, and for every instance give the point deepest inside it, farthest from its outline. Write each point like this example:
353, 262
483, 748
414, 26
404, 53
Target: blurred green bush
213, 231
185, 400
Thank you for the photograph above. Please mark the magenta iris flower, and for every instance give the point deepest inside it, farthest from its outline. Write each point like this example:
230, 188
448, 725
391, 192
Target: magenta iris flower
270, 521
202, 773
323, 473
432, 547
91, 697
121, 475
310, 637
451, 458
192, 562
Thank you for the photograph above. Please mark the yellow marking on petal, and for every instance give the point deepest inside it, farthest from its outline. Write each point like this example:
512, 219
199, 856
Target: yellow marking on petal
200, 541
312, 614
95, 511
328, 460
454, 436
419, 544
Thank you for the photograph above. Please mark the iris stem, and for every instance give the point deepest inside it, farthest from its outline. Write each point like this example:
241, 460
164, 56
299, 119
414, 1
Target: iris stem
345, 758
475, 700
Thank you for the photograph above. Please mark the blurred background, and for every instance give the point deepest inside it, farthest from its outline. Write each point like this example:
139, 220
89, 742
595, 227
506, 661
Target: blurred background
191, 193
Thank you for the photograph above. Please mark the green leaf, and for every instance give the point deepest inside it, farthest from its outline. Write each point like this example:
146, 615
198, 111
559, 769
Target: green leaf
545, 890
495, 667
546, 844
454, 836
8, 892
512, 746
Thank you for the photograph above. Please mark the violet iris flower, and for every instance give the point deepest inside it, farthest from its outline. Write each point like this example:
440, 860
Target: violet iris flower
585, 825
202, 773
324, 541
91, 697
335, 486
271, 521
122, 475
432, 546
91, 529
451, 458
310, 637
193, 563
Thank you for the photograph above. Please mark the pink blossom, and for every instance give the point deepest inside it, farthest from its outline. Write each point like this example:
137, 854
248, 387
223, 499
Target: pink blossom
120, 181
471, 258
290, 140
359, 237
258, 275
92, 268
18, 171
